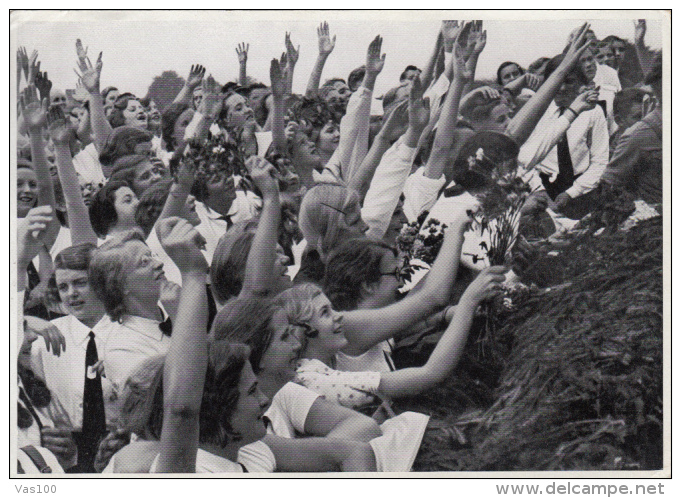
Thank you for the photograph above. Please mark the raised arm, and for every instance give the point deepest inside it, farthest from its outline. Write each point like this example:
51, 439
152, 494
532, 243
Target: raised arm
79, 216
391, 174
185, 366
206, 114
31, 232
523, 123
259, 273
278, 86
444, 137
366, 328
394, 126
194, 79
292, 55
356, 120
89, 77
35, 118
242, 55
326, 45
427, 76
644, 54
445, 357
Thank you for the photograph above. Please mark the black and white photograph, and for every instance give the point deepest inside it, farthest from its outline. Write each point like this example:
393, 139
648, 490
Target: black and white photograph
382, 243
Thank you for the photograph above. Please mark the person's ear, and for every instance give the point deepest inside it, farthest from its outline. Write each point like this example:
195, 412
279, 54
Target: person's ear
367, 289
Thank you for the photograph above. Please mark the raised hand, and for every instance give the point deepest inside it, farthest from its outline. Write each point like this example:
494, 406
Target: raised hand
263, 174
182, 243
326, 43
291, 51
375, 60
277, 79
639, 31
242, 52
461, 71
477, 39
577, 47
81, 53
89, 75
186, 173
44, 85
60, 129
33, 110
195, 77
33, 67
37, 327
450, 31
211, 104
22, 64
396, 123
31, 232
419, 108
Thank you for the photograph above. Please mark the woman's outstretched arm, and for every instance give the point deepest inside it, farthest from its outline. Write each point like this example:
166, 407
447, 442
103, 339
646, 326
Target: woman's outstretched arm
184, 372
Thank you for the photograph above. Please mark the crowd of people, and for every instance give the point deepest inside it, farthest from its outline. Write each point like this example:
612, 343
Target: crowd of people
214, 286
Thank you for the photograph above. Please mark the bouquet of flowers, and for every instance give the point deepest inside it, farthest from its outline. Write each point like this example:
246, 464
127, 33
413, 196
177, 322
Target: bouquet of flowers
213, 154
419, 245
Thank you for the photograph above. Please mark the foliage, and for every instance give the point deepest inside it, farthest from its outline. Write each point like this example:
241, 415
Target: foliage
164, 88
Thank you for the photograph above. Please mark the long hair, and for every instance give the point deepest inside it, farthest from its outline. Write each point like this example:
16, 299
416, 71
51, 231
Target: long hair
321, 217
226, 361
246, 321
107, 272
142, 406
227, 270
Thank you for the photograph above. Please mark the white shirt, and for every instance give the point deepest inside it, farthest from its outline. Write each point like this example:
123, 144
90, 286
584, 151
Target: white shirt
436, 91
609, 82
588, 141
256, 457
420, 193
354, 137
378, 358
87, 165
64, 375
385, 189
245, 207
129, 344
289, 409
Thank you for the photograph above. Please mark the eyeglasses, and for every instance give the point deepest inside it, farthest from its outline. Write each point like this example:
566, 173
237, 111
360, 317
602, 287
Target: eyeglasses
333, 207
397, 273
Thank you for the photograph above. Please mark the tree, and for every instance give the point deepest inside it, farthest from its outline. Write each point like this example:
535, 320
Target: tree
165, 88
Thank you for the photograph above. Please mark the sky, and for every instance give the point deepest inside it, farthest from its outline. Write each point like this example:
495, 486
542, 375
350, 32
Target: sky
140, 45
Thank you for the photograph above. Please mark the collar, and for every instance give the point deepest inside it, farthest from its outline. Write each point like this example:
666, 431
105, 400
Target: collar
211, 214
144, 326
80, 331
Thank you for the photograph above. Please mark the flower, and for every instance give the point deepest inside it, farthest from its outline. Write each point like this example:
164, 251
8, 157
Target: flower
480, 154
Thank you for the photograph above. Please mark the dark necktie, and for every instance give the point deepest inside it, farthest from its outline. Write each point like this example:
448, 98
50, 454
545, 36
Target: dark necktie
94, 419
166, 327
566, 175
228, 219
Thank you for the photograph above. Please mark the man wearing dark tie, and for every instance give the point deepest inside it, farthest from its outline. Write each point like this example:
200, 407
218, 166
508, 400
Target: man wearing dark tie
82, 398
567, 152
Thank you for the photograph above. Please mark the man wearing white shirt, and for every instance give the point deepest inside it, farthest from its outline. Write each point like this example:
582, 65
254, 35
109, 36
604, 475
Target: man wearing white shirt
84, 400
220, 204
568, 150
